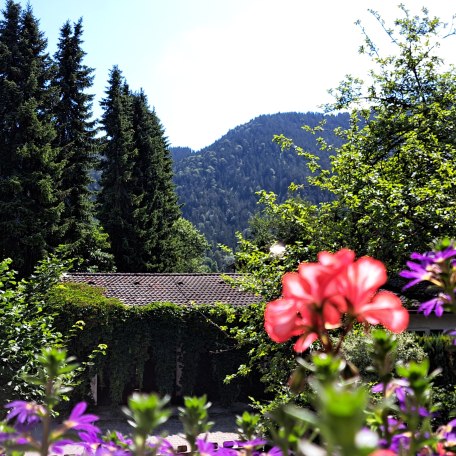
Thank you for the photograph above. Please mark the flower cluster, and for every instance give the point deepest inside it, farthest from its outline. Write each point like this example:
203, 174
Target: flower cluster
439, 269
315, 299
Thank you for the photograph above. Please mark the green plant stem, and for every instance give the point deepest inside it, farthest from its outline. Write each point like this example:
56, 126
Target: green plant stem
47, 419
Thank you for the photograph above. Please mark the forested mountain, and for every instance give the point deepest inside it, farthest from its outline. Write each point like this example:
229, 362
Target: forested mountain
217, 184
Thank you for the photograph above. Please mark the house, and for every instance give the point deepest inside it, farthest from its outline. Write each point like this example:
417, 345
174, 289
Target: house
138, 289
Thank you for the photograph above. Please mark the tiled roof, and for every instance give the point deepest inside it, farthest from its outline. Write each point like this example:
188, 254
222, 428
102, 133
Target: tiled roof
142, 289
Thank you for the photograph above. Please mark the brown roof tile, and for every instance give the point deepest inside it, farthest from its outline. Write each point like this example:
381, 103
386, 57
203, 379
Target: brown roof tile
142, 289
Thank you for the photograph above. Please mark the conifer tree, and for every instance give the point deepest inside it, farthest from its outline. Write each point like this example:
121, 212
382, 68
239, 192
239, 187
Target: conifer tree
29, 205
78, 147
155, 200
115, 209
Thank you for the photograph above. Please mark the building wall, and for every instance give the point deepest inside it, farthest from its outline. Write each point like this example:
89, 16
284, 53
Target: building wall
432, 323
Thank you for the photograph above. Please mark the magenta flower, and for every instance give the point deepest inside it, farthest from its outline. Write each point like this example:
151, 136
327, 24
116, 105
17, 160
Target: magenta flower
79, 422
25, 412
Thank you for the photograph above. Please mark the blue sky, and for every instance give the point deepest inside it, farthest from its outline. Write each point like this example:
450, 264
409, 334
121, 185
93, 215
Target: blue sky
210, 65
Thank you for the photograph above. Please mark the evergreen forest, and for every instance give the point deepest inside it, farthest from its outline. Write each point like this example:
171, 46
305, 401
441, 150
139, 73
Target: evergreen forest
51, 148
218, 185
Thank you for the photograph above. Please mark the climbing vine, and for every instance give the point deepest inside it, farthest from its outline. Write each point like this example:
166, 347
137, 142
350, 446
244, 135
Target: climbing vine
173, 349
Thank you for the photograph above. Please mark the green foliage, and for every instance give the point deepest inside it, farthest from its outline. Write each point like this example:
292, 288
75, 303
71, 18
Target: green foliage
391, 174
115, 199
357, 349
394, 176
147, 344
137, 202
75, 138
194, 418
190, 247
146, 413
248, 426
442, 355
299, 228
26, 327
30, 202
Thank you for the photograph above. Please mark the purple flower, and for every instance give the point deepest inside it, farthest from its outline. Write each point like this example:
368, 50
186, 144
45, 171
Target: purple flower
418, 272
25, 412
227, 452
164, 447
400, 442
93, 446
449, 432
205, 448
429, 265
80, 422
401, 396
124, 440
434, 305
452, 333
274, 451
435, 256
251, 444
59, 446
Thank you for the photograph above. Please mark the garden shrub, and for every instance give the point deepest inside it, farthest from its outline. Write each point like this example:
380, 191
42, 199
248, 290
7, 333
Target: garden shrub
442, 355
356, 349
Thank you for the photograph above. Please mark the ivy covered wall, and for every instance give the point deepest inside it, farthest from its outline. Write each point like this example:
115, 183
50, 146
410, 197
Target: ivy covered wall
170, 349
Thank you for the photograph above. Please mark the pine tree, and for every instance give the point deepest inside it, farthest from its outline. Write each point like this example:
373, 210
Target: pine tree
78, 147
29, 205
155, 201
118, 155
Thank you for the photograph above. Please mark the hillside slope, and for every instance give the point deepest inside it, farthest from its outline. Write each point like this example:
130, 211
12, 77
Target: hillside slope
217, 184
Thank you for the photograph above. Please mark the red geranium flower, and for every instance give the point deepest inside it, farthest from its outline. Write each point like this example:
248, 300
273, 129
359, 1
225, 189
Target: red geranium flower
315, 297
311, 302
359, 284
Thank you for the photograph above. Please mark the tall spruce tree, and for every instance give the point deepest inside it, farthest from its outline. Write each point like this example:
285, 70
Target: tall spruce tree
116, 200
30, 209
78, 148
156, 209
137, 204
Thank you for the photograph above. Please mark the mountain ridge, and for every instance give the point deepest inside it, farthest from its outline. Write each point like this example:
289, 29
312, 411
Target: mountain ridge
216, 185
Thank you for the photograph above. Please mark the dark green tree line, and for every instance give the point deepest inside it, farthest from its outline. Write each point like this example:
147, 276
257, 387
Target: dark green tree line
78, 148
49, 148
137, 203
30, 205
118, 155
